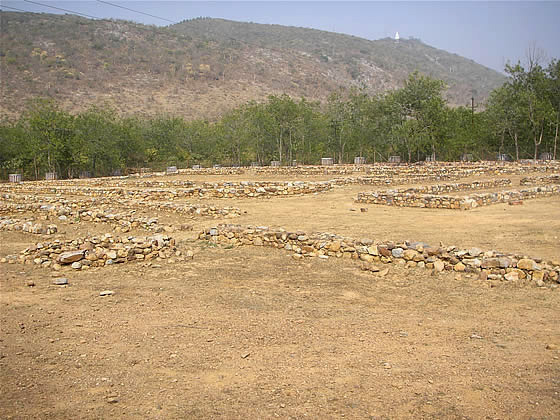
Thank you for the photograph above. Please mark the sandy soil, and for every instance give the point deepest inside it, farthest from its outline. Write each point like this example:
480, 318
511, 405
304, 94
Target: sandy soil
251, 333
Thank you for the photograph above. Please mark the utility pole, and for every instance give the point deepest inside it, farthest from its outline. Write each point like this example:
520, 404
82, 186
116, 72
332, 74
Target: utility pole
472, 112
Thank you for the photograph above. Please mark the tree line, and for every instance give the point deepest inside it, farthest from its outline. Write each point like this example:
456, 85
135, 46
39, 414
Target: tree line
520, 120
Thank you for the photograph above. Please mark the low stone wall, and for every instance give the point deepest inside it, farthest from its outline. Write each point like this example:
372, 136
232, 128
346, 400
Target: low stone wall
60, 206
27, 226
82, 254
465, 186
541, 180
402, 199
489, 264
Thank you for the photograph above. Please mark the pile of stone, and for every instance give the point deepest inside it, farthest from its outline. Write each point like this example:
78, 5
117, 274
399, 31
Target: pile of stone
489, 264
27, 226
82, 254
540, 180
403, 199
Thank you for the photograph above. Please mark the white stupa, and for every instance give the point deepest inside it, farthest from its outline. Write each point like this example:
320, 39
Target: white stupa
397, 37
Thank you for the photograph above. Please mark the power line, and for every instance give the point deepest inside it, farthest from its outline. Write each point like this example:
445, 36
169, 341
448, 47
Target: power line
136, 11
15, 8
64, 10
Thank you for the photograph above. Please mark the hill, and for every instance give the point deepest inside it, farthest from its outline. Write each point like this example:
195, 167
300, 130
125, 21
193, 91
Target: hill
204, 67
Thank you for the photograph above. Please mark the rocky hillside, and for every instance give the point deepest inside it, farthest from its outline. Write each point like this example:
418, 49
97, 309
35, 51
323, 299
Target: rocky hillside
203, 67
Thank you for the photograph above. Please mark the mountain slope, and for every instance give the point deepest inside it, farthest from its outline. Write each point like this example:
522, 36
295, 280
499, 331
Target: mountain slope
203, 67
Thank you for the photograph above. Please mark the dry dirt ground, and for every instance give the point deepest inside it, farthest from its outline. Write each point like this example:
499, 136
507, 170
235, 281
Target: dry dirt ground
251, 333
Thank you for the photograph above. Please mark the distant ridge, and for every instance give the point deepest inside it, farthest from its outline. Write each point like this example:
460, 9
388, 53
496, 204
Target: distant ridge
203, 67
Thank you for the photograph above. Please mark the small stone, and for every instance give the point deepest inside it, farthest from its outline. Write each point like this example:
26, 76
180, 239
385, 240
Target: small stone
60, 281
30, 283
439, 266
476, 336
71, 256
383, 272
369, 267
335, 246
106, 293
397, 252
245, 355
474, 252
112, 400
410, 254
77, 265
512, 276
551, 347
538, 275
460, 267
526, 264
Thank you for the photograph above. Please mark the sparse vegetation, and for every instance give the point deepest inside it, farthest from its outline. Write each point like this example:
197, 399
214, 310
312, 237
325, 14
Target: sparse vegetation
246, 61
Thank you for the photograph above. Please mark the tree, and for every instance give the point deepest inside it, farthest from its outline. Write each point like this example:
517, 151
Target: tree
421, 100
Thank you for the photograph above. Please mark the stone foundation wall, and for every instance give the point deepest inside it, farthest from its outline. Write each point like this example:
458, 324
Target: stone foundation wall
489, 264
541, 180
402, 199
60, 206
85, 253
27, 226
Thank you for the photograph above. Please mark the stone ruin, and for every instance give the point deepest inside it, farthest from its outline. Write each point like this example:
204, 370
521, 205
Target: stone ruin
487, 264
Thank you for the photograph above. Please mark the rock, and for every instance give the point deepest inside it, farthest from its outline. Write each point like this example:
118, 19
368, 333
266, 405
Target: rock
460, 267
71, 256
538, 275
483, 276
439, 266
526, 264
490, 263
30, 283
410, 254
512, 276
189, 254
372, 250
77, 265
60, 281
551, 347
369, 267
383, 272
504, 262
257, 241
297, 256
366, 257
106, 293
540, 283
397, 252
474, 252
335, 246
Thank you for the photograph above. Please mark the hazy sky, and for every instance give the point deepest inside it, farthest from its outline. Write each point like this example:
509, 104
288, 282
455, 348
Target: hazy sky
490, 33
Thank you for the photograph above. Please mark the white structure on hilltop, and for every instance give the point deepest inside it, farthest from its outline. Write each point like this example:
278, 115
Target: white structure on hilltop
397, 37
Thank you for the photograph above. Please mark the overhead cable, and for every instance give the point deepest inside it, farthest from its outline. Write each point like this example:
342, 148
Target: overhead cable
136, 11
64, 10
15, 8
